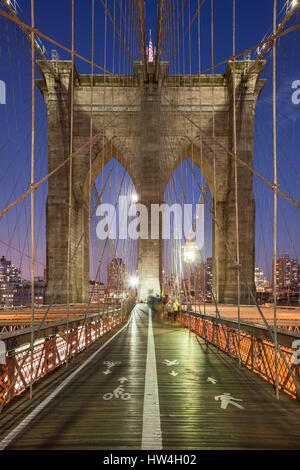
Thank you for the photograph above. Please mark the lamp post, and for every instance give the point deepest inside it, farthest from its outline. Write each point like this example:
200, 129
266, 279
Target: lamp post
189, 254
133, 284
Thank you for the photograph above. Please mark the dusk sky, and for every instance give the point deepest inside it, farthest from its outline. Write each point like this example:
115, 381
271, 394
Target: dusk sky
254, 20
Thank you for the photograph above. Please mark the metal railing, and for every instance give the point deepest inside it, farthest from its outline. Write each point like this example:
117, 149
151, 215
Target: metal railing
256, 347
50, 348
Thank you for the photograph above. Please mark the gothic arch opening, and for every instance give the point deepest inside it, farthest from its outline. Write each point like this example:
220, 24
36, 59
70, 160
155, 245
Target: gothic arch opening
189, 280
112, 258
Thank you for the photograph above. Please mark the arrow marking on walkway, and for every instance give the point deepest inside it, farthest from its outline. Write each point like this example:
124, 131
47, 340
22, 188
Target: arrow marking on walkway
173, 373
123, 379
213, 381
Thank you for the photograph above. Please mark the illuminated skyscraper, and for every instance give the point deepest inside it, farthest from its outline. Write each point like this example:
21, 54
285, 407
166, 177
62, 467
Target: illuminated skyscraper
116, 270
287, 273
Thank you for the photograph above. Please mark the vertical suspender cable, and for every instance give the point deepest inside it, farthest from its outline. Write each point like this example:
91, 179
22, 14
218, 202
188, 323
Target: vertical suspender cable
214, 152
70, 190
201, 153
91, 127
143, 39
92, 103
190, 41
275, 200
31, 184
185, 153
193, 214
236, 182
158, 40
124, 41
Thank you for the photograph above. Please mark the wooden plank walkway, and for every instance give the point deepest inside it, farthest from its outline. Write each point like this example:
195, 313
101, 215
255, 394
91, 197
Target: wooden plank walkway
93, 412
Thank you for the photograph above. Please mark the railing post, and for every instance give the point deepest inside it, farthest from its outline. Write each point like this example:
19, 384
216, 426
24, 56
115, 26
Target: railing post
10, 367
252, 353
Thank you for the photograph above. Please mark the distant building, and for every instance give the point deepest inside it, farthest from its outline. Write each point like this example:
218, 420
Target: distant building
208, 278
7, 293
22, 293
170, 285
201, 281
259, 277
287, 274
267, 283
198, 284
8, 272
97, 292
14, 291
10, 279
116, 272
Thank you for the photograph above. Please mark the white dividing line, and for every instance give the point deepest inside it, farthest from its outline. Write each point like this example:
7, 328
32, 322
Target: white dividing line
15, 432
151, 437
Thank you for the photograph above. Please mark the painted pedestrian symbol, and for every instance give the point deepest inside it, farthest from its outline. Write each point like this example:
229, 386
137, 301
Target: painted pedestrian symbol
118, 392
170, 363
211, 380
226, 399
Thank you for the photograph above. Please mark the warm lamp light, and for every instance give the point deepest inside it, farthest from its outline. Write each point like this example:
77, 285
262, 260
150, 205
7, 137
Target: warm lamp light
189, 253
133, 281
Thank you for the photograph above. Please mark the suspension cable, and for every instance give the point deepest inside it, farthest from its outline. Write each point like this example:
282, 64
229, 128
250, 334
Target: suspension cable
143, 40
158, 40
275, 202
47, 38
236, 184
32, 184
70, 185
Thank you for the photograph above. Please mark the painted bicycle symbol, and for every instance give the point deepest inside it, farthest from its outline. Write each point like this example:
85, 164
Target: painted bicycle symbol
118, 392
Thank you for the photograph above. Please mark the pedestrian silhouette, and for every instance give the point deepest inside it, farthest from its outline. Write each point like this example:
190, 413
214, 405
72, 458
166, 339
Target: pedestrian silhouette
226, 399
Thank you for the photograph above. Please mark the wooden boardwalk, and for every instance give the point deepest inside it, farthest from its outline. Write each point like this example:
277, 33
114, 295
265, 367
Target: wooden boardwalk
104, 406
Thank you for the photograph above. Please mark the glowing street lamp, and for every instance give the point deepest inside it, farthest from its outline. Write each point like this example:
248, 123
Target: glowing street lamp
189, 256
133, 281
134, 197
291, 4
189, 253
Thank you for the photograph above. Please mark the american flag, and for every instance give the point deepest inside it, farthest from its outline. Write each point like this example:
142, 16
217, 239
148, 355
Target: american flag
150, 49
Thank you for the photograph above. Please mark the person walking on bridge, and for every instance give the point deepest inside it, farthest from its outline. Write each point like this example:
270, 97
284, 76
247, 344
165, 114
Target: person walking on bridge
176, 306
170, 309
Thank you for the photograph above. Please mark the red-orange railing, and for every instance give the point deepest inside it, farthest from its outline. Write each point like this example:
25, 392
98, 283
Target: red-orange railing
257, 354
50, 349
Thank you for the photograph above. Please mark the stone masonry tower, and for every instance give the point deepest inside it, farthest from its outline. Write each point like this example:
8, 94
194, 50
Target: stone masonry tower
150, 128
